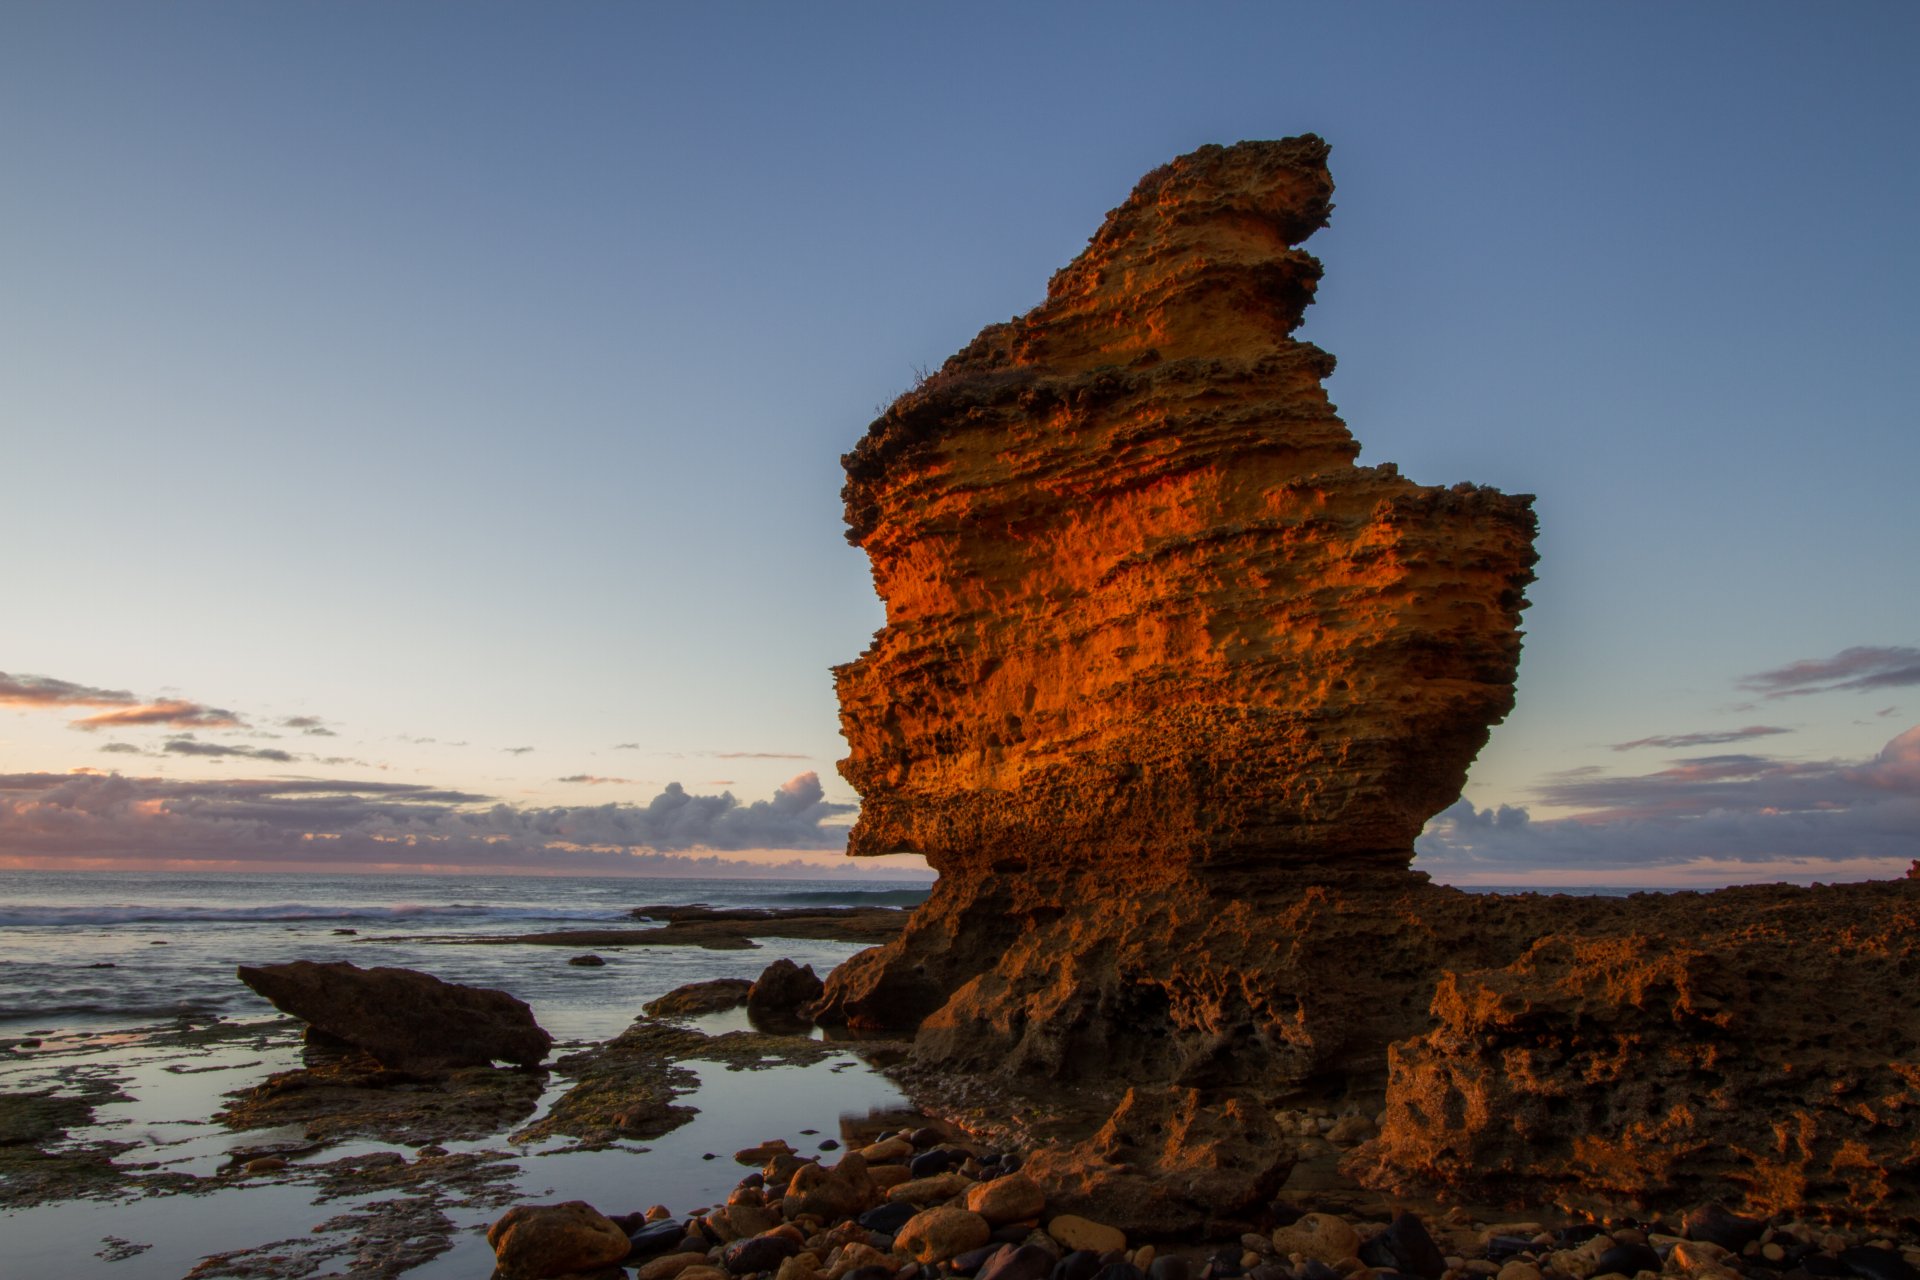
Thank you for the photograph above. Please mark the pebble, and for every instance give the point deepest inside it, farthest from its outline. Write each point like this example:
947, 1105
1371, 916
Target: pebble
1077, 1233
1026, 1262
934, 1235
669, 1266
1323, 1237
654, 1237
758, 1253
1012, 1198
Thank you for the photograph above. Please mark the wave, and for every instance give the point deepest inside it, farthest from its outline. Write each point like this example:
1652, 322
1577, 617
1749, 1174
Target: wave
57, 916
852, 897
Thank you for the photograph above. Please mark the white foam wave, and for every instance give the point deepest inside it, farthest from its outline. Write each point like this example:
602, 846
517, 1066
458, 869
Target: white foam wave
27, 916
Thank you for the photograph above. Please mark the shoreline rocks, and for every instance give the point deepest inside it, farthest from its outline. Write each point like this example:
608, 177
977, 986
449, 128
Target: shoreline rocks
405, 1019
1003, 1223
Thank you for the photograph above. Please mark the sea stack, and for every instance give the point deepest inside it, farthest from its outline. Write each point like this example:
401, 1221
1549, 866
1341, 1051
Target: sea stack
1155, 646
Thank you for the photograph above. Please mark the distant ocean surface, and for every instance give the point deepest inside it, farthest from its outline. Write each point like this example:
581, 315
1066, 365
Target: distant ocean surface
82, 949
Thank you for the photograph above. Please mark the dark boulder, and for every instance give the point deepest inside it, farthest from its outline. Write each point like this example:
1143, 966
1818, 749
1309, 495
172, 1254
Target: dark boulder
783, 991
406, 1020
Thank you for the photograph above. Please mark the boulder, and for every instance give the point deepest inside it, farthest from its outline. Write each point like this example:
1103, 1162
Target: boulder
541, 1241
783, 992
844, 1191
1014, 1198
406, 1020
938, 1234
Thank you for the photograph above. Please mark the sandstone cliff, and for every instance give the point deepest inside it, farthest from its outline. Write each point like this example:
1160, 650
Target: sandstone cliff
1141, 605
1167, 688
1158, 655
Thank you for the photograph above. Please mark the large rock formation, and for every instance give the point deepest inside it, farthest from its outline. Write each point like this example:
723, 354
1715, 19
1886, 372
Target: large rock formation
1167, 688
1141, 605
1158, 655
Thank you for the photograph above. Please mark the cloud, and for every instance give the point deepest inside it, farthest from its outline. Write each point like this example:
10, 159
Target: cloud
1702, 739
187, 745
45, 691
626, 746
79, 817
1730, 811
757, 755
311, 726
516, 751
1860, 669
168, 711
593, 780
124, 747
128, 711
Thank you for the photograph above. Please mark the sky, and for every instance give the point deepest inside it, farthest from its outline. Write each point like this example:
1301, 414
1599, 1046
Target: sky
420, 425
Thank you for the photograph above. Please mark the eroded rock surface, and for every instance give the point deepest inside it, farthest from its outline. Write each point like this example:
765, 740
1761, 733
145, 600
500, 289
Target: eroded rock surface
1140, 602
1758, 1044
1159, 656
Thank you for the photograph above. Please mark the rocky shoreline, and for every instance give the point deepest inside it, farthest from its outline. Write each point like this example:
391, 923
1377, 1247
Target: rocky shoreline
931, 1202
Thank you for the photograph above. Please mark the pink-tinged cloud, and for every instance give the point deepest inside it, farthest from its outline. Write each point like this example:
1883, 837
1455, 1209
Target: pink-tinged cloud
1859, 669
45, 691
1707, 739
595, 780
170, 712
1834, 818
93, 818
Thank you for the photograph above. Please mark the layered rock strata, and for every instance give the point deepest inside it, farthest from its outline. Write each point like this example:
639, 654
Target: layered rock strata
1167, 688
1158, 655
1142, 607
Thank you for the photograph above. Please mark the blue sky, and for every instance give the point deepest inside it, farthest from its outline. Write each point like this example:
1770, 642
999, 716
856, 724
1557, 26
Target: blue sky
473, 378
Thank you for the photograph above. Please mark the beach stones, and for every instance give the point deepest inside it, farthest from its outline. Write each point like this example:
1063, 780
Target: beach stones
759, 1253
407, 1020
1320, 1236
669, 1266
541, 1241
1077, 1233
1024, 1262
831, 1194
938, 1234
1009, 1199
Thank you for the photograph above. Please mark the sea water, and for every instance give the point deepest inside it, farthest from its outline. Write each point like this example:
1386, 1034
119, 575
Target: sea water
97, 969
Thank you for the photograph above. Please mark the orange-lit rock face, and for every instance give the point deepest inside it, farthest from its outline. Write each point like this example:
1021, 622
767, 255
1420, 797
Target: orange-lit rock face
1141, 605
1757, 1045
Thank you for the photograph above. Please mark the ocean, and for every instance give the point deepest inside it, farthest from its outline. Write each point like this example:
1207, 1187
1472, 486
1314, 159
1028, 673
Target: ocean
108, 982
